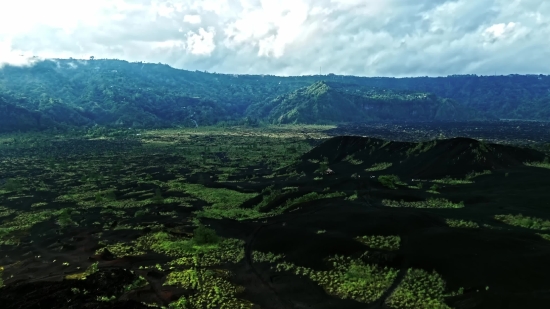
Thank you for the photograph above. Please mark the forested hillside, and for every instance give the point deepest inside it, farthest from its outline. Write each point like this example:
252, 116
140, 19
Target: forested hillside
68, 92
329, 102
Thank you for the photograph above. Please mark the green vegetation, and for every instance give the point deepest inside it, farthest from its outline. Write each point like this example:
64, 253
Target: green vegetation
473, 174
13, 185
177, 198
93, 268
421, 147
259, 257
349, 278
213, 290
390, 181
381, 242
61, 93
419, 289
524, 221
451, 181
353, 161
429, 203
543, 164
138, 283
461, 223
225, 203
378, 167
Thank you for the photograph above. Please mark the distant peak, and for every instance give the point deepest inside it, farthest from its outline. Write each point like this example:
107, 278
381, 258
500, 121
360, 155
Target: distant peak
318, 87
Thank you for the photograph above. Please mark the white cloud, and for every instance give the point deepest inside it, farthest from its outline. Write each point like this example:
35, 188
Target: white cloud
288, 37
201, 43
500, 31
192, 19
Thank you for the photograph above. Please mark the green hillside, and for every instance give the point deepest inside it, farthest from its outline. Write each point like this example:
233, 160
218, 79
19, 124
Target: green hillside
110, 92
455, 157
325, 102
15, 118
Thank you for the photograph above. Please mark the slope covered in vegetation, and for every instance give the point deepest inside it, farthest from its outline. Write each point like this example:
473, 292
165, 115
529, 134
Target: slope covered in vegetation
230, 218
455, 157
324, 102
118, 93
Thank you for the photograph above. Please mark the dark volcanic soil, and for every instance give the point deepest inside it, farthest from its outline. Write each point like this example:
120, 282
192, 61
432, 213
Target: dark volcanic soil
493, 263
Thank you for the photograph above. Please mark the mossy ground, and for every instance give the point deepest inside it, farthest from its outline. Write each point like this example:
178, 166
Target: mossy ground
282, 231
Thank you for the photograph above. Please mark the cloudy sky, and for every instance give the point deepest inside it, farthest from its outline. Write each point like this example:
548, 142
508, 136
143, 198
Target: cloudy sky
288, 37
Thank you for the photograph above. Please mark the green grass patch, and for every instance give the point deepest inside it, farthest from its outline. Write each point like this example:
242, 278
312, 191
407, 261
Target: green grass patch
212, 289
259, 257
348, 278
429, 203
461, 223
544, 164
224, 202
419, 289
381, 242
379, 166
352, 160
451, 181
390, 181
138, 283
471, 175
524, 221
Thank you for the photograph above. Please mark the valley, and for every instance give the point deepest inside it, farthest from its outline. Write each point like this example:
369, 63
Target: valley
367, 215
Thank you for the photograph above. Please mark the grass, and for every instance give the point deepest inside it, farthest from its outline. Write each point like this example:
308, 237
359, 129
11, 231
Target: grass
524, 221
429, 203
471, 175
348, 279
352, 160
451, 181
224, 202
269, 257
151, 182
544, 164
390, 181
212, 289
93, 268
461, 224
379, 166
381, 242
419, 289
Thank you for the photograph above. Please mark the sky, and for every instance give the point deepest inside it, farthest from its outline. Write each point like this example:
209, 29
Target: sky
287, 37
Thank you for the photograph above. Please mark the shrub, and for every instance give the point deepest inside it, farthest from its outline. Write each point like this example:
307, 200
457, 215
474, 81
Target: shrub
203, 236
389, 181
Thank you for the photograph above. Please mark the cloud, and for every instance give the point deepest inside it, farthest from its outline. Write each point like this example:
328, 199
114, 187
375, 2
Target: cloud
287, 37
192, 19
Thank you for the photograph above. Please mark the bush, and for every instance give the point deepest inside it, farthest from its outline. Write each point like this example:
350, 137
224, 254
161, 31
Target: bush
389, 181
12, 185
205, 236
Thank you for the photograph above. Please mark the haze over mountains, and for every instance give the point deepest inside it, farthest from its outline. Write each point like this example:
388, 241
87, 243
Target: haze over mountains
77, 93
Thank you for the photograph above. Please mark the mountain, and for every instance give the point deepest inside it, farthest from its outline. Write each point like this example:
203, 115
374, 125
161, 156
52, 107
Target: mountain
456, 157
15, 118
325, 102
119, 93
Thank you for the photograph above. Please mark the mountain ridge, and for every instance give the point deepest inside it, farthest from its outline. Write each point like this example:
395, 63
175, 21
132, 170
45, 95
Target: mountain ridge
119, 93
325, 102
455, 157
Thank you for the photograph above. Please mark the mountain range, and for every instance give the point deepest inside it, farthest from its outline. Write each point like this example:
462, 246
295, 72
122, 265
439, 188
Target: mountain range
66, 93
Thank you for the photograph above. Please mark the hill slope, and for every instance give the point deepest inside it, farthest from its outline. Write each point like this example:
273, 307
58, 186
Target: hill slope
15, 118
455, 157
116, 92
334, 102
